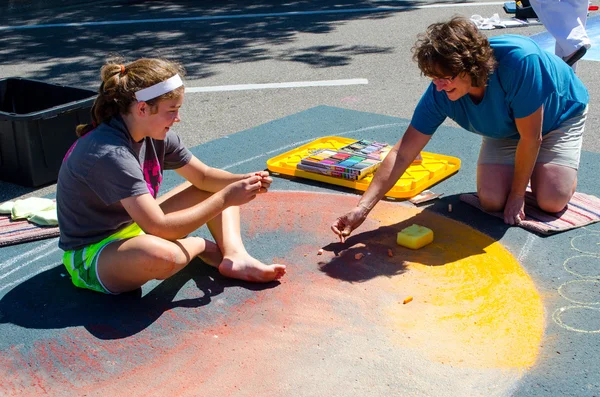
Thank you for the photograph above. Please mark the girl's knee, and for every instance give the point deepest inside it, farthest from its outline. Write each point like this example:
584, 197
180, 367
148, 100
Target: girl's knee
165, 259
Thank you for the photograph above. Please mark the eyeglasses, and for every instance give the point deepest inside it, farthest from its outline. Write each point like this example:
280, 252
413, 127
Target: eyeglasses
443, 80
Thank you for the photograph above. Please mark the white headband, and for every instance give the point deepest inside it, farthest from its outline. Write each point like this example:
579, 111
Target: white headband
159, 89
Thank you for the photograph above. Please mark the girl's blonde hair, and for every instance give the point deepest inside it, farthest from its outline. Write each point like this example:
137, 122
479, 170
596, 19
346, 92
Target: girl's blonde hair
120, 83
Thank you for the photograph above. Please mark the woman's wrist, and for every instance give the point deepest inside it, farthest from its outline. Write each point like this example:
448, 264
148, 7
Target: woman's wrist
517, 191
363, 209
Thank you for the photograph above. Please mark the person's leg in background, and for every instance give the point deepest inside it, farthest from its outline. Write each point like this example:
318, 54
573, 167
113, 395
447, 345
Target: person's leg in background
565, 20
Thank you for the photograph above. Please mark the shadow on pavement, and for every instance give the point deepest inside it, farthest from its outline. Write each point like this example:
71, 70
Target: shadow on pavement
375, 244
73, 54
50, 301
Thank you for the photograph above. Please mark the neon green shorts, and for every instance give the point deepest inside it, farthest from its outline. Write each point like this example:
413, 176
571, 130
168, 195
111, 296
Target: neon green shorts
82, 263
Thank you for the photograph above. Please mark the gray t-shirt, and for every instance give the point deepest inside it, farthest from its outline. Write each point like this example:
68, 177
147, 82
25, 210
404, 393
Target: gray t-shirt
102, 168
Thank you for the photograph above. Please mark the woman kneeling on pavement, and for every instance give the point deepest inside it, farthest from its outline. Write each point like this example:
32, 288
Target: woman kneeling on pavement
527, 104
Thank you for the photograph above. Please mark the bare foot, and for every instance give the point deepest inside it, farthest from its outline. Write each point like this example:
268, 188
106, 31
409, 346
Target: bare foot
212, 254
245, 267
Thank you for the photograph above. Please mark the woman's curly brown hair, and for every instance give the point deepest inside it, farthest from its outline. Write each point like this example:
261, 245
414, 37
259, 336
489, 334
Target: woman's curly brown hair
455, 47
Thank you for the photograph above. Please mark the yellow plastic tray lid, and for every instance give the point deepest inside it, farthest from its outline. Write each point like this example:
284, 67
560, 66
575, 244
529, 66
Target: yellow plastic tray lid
418, 177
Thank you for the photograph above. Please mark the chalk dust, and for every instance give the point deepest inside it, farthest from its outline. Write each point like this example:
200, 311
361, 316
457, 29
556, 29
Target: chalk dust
333, 320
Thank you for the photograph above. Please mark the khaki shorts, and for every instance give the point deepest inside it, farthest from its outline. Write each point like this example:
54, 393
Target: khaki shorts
561, 146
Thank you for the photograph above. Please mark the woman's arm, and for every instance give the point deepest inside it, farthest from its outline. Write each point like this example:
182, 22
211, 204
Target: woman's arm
395, 164
530, 131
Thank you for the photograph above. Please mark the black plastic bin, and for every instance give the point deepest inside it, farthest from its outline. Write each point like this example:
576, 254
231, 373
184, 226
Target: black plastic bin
37, 127
524, 10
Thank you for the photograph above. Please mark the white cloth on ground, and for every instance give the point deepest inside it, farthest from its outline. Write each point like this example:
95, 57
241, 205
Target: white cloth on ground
495, 21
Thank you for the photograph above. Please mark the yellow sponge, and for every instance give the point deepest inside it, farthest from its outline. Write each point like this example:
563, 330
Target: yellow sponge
415, 237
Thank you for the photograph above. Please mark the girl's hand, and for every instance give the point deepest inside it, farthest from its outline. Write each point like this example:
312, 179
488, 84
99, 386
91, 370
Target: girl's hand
514, 211
265, 180
242, 191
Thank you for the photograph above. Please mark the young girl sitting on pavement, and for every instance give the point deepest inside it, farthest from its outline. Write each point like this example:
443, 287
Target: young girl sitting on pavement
116, 232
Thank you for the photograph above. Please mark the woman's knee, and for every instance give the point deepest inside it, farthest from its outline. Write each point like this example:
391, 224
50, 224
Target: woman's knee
553, 202
491, 202
553, 190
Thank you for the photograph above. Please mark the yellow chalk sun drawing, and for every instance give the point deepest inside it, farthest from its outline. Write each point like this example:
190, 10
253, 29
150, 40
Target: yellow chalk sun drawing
474, 305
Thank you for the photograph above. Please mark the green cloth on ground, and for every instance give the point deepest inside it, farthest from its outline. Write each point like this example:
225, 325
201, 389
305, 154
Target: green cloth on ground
24, 208
47, 217
41, 211
6, 208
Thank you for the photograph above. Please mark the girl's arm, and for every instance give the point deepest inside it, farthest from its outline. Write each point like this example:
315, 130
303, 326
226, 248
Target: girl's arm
213, 180
148, 214
207, 178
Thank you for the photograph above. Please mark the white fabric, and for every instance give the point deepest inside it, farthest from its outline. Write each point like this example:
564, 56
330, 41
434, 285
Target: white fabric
487, 23
565, 20
159, 89
495, 21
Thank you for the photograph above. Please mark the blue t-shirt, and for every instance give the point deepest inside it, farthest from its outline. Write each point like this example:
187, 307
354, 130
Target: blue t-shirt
526, 77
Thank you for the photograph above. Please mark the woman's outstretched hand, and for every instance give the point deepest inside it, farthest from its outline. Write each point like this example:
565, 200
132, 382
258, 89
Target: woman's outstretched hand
346, 224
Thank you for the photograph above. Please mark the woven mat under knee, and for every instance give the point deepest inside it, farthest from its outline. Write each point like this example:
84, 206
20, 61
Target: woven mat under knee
582, 209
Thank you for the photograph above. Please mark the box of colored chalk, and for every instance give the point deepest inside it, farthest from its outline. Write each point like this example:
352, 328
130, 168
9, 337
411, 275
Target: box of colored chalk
370, 149
339, 164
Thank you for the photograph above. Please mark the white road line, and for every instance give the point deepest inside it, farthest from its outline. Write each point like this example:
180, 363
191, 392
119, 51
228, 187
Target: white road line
306, 141
243, 161
245, 16
291, 84
526, 247
373, 127
43, 269
27, 263
28, 253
